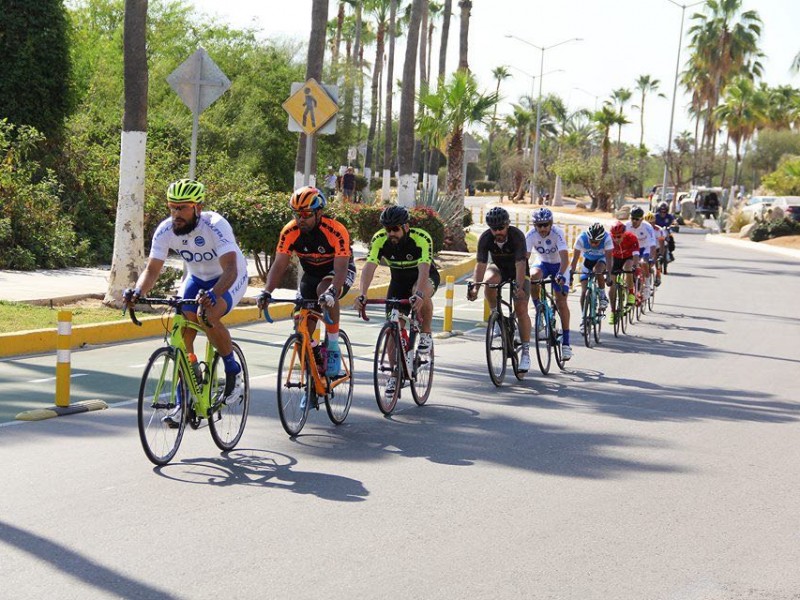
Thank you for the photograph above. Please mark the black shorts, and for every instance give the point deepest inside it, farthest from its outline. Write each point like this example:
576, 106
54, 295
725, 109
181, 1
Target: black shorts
616, 269
403, 281
309, 283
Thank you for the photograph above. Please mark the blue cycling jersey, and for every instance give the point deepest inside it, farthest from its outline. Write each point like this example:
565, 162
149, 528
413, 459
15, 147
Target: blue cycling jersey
597, 252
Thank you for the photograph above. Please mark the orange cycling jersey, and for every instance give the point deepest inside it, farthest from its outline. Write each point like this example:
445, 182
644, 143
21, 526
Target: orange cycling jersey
626, 246
317, 248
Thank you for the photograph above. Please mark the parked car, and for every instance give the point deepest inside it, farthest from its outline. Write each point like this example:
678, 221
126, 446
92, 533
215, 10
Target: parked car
789, 204
707, 200
756, 207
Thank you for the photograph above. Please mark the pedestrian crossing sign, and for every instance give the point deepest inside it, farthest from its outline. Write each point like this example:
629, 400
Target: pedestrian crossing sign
311, 106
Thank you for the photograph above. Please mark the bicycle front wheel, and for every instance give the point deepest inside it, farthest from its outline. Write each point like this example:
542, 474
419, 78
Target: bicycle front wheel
227, 421
587, 318
597, 323
496, 355
163, 397
514, 346
651, 299
423, 376
295, 386
541, 332
387, 372
557, 337
338, 400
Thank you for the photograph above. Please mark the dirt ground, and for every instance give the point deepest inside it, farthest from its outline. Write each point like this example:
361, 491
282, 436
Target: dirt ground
787, 241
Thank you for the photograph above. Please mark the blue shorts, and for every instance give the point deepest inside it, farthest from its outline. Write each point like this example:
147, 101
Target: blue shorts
551, 270
588, 266
192, 286
644, 253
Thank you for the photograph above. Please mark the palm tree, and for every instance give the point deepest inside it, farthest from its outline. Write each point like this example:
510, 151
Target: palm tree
463, 39
128, 254
743, 110
724, 44
455, 105
387, 134
621, 96
605, 119
314, 63
519, 121
379, 9
645, 84
796, 63
499, 73
405, 134
433, 169
784, 106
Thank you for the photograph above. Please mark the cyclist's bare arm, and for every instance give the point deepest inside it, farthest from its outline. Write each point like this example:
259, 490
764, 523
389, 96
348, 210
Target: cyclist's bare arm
477, 277
564, 255
149, 276
424, 270
521, 274
367, 273
276, 271
229, 274
340, 264
576, 255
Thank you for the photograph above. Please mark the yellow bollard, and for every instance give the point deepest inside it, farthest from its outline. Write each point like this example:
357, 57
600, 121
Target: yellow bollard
516, 220
63, 346
448, 305
481, 221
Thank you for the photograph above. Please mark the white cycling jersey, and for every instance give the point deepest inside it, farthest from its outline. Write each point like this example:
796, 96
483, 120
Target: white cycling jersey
645, 233
546, 247
201, 248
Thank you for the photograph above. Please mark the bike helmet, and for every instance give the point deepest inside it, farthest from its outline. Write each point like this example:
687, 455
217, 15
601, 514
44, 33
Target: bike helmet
650, 217
307, 198
497, 217
618, 228
596, 232
637, 212
663, 206
543, 215
186, 190
394, 216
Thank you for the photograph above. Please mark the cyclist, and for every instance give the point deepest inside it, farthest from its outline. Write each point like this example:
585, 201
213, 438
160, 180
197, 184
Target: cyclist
408, 252
323, 247
661, 237
647, 242
506, 246
665, 220
550, 245
216, 272
596, 247
626, 257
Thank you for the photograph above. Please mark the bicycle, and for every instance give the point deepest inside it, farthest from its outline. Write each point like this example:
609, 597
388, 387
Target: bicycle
547, 328
592, 316
502, 338
396, 357
635, 312
621, 308
651, 285
301, 371
174, 392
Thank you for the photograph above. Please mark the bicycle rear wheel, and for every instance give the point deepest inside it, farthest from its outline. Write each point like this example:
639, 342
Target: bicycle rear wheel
597, 324
496, 348
163, 397
557, 337
514, 346
338, 400
227, 422
387, 368
542, 333
295, 386
423, 375
587, 319
651, 299
619, 309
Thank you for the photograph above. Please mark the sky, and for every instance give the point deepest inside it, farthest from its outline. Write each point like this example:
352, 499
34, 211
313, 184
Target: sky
621, 40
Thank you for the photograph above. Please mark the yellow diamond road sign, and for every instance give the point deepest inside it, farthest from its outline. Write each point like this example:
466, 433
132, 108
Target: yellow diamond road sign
311, 106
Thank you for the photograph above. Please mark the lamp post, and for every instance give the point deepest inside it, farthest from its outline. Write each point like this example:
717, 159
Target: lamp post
595, 96
683, 8
539, 102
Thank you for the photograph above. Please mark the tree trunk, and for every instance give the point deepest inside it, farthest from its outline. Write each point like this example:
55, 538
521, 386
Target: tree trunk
388, 138
374, 104
433, 169
406, 189
455, 190
314, 62
128, 256
463, 40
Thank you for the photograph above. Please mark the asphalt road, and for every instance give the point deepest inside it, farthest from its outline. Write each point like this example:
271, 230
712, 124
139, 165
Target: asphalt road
661, 465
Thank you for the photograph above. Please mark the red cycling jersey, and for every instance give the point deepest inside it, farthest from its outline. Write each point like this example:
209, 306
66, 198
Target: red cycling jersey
626, 246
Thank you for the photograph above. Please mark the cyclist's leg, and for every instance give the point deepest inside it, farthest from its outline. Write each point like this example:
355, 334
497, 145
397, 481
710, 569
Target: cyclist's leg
332, 329
536, 280
428, 289
521, 306
493, 276
561, 292
190, 287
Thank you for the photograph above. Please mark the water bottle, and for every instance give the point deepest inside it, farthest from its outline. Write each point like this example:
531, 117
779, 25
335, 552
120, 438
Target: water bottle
196, 368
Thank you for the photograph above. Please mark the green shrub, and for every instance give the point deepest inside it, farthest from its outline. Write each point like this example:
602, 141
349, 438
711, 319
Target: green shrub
427, 219
483, 185
468, 221
167, 281
768, 230
377, 183
361, 182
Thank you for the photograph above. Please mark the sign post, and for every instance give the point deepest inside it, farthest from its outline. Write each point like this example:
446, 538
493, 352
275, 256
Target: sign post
198, 81
311, 109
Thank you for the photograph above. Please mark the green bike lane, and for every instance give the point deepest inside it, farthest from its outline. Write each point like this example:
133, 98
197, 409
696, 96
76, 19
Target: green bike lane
112, 373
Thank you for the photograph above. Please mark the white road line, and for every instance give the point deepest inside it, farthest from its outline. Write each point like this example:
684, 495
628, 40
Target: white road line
46, 379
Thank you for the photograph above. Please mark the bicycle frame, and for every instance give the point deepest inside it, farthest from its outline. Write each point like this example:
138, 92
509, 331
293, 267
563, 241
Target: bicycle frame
406, 341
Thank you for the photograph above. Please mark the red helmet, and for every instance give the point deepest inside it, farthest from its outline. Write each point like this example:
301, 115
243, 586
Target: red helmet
618, 228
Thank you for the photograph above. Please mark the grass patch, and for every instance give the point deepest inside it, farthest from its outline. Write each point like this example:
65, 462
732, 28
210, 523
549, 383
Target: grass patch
18, 316
472, 241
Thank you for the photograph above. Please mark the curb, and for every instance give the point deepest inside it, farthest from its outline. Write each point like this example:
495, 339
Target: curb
39, 341
40, 414
748, 245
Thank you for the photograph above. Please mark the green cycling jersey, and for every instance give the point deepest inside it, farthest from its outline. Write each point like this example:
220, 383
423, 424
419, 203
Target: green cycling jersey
415, 247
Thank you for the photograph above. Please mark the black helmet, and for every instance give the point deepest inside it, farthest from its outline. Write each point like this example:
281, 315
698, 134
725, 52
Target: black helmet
637, 212
663, 206
497, 217
393, 216
596, 232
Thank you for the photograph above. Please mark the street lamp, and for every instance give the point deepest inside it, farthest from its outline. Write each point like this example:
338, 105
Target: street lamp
683, 8
533, 87
595, 96
539, 101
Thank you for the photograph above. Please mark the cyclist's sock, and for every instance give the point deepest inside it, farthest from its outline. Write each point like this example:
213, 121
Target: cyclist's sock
333, 333
231, 366
565, 338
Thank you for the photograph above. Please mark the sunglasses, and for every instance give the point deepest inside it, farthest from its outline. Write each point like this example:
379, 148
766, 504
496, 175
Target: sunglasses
633, 220
542, 225
501, 228
303, 214
393, 228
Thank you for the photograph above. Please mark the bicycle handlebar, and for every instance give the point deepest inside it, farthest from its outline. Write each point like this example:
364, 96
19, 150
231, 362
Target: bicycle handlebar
172, 302
395, 302
311, 305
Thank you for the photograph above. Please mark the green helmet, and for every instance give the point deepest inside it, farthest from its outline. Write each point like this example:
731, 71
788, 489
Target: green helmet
186, 190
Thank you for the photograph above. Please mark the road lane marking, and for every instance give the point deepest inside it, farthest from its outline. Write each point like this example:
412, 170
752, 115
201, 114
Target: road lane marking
46, 379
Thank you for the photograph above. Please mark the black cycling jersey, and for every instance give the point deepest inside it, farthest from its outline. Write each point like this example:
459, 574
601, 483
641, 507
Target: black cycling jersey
503, 255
